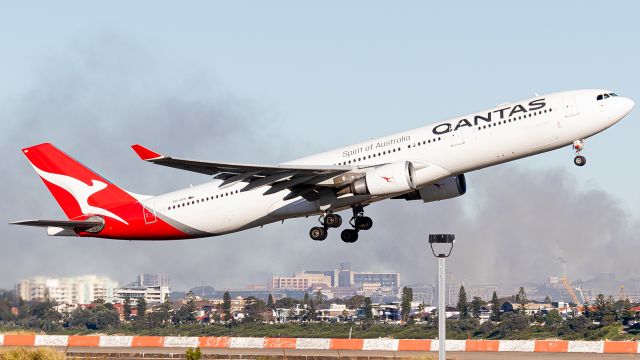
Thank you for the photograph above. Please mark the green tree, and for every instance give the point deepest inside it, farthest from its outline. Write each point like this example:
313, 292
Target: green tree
355, 302
293, 312
521, 298
97, 318
126, 308
141, 307
270, 303
285, 303
553, 319
163, 315
311, 311
513, 323
186, 314
405, 305
578, 324
306, 300
463, 306
319, 298
368, 309
495, 307
193, 354
547, 300
604, 310
254, 309
476, 306
226, 305
623, 311
106, 318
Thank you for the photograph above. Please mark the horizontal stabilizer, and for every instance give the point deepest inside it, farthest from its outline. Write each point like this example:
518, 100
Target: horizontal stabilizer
79, 225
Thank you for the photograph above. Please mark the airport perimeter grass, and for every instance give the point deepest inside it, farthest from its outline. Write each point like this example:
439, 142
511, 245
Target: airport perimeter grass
32, 354
340, 330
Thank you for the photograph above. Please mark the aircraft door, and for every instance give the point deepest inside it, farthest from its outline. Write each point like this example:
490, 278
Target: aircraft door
570, 107
149, 213
457, 137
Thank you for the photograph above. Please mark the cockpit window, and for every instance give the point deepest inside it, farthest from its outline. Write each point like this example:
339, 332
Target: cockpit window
605, 96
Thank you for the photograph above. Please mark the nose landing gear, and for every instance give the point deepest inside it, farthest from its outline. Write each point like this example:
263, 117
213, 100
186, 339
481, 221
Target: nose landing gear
579, 160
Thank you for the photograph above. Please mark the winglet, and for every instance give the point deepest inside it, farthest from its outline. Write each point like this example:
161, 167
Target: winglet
144, 153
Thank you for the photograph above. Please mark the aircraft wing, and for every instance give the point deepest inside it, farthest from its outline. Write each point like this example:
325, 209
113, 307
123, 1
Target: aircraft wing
298, 178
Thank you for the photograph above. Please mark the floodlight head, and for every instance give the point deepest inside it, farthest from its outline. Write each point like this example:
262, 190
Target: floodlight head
441, 238
446, 239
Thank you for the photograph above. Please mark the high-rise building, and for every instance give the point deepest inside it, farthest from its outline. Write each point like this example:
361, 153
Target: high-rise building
144, 280
344, 275
70, 290
452, 288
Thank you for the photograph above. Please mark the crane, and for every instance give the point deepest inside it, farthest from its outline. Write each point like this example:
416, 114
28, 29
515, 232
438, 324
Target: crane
565, 282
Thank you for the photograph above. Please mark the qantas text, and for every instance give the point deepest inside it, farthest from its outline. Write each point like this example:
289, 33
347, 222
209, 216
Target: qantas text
505, 112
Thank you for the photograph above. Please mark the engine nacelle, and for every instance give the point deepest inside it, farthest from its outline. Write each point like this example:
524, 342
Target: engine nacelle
444, 189
386, 179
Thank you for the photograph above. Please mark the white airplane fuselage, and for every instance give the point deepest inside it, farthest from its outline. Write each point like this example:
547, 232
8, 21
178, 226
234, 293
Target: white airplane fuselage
438, 151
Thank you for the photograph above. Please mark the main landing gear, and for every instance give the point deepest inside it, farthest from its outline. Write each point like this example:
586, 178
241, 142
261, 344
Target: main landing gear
329, 220
358, 222
579, 160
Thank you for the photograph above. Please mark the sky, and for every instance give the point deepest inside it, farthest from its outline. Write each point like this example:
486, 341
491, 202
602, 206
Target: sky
266, 82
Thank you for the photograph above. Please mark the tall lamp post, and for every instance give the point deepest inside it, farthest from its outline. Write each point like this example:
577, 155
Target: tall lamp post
441, 247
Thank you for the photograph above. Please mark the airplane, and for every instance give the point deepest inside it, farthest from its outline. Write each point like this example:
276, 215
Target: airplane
427, 163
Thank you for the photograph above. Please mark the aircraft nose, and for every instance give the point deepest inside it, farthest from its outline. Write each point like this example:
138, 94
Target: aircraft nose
623, 106
627, 105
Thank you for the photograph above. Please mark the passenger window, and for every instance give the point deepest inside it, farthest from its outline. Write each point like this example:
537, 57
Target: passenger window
606, 96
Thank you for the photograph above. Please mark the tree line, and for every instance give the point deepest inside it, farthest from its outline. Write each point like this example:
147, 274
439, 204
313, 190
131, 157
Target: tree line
606, 317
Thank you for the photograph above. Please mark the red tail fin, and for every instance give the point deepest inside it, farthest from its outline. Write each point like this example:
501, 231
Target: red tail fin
78, 190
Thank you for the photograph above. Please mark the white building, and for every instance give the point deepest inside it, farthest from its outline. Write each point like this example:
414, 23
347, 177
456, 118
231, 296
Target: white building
299, 281
151, 294
70, 290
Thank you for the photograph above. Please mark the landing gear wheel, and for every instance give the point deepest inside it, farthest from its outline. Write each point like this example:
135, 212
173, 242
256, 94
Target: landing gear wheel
363, 223
580, 160
318, 233
333, 220
349, 235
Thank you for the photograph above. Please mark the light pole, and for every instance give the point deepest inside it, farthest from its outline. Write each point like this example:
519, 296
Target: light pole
442, 242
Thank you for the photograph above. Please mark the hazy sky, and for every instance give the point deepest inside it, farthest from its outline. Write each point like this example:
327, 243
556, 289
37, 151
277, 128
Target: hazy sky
265, 82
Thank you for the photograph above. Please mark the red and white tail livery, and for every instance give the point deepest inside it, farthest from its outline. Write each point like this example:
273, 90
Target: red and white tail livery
426, 163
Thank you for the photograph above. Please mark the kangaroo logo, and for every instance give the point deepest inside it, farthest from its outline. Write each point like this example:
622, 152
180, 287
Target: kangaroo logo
80, 191
388, 179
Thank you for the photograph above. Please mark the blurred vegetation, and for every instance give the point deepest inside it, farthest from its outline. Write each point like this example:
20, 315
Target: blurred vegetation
605, 319
32, 354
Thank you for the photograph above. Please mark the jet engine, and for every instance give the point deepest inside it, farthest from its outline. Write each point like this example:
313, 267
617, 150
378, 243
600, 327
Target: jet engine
444, 189
386, 179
